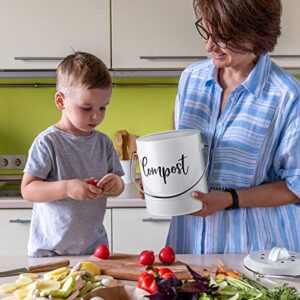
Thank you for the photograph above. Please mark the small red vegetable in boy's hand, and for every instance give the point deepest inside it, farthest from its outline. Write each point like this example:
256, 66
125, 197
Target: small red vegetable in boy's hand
92, 182
146, 258
102, 251
167, 255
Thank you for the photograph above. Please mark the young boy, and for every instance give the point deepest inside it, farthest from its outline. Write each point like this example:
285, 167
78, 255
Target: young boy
68, 212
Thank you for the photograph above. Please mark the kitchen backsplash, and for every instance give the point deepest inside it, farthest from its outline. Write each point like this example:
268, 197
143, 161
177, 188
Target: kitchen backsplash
139, 105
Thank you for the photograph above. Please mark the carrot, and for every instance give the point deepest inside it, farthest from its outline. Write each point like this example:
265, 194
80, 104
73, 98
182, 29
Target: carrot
228, 272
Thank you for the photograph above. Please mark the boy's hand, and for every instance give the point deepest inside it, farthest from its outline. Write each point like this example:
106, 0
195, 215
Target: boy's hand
111, 184
79, 189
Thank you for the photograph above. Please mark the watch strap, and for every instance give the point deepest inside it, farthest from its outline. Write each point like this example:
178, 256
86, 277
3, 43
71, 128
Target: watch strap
235, 199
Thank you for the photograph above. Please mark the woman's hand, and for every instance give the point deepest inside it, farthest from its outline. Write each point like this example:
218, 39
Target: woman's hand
264, 195
111, 184
212, 202
79, 189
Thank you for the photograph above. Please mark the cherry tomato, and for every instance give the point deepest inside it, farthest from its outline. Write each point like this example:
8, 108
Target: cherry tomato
147, 282
167, 255
166, 273
153, 271
146, 258
147, 279
92, 182
102, 251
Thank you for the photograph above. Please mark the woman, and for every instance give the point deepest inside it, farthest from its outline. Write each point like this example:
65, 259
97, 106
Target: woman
247, 110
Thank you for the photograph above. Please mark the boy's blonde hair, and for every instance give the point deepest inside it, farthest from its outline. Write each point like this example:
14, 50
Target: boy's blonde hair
82, 69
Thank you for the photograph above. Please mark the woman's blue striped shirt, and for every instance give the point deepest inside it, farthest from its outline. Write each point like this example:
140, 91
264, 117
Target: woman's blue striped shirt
255, 140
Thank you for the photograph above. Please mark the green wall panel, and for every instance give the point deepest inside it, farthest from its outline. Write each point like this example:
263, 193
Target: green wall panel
26, 111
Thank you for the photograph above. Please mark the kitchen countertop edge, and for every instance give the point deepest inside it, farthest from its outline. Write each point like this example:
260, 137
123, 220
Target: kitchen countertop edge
130, 198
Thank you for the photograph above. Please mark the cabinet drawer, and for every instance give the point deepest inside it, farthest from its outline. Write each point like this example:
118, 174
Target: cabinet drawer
43, 32
107, 225
287, 51
162, 34
134, 230
14, 231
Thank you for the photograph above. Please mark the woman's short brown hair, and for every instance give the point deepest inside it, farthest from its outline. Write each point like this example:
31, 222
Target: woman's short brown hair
82, 69
242, 22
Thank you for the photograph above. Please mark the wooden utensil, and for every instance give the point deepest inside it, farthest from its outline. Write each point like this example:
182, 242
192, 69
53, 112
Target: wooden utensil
125, 139
131, 145
121, 142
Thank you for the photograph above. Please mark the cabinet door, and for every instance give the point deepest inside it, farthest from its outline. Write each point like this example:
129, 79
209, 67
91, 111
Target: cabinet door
14, 229
36, 34
154, 34
135, 230
107, 225
287, 51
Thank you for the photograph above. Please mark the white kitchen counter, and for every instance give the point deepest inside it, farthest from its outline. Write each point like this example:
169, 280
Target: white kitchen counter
129, 198
234, 261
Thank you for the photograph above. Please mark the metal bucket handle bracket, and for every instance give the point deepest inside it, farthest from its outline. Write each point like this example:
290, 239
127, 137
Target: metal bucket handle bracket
162, 197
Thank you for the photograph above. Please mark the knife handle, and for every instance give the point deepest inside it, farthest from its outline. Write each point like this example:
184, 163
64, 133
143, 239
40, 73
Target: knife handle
49, 266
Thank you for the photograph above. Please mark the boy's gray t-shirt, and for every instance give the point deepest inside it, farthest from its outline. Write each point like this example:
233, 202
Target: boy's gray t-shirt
68, 226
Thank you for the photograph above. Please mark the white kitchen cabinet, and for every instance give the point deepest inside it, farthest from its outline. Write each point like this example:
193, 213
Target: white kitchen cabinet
107, 224
287, 51
129, 35
36, 34
157, 34
134, 230
14, 230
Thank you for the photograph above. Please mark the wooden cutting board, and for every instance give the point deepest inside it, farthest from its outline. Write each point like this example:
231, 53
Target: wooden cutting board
127, 267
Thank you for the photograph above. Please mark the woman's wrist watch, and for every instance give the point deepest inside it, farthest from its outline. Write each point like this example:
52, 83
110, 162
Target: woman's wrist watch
235, 199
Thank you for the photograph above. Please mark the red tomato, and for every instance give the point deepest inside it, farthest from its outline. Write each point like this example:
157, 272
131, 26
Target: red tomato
146, 282
92, 182
166, 273
153, 271
102, 251
167, 255
146, 258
